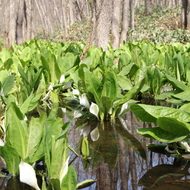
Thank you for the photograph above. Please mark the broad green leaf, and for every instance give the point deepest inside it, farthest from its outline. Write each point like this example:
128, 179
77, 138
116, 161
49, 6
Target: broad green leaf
179, 85
58, 148
110, 86
150, 113
131, 93
35, 133
173, 126
93, 85
8, 63
30, 103
55, 150
166, 95
185, 96
185, 108
124, 82
69, 182
16, 129
159, 134
7, 84
26, 54
55, 184
11, 157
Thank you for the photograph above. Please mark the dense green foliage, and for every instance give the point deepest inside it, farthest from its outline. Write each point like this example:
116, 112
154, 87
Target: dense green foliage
40, 80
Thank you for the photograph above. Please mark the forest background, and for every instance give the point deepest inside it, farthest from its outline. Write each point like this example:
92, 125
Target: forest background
95, 22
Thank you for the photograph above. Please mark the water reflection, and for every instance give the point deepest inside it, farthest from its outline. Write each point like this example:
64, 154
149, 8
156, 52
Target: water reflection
131, 171
115, 163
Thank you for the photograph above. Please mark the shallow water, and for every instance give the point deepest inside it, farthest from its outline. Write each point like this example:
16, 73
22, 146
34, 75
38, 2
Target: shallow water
158, 169
129, 171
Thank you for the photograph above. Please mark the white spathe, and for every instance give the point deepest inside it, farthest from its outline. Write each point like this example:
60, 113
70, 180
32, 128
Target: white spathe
64, 169
94, 134
62, 79
84, 101
124, 107
28, 175
94, 109
77, 114
2, 143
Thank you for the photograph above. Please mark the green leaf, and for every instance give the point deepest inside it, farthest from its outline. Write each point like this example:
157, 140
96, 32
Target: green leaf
185, 108
30, 103
110, 86
85, 183
150, 113
179, 85
11, 157
16, 129
185, 96
124, 82
7, 84
35, 135
173, 126
159, 134
131, 93
84, 147
70, 180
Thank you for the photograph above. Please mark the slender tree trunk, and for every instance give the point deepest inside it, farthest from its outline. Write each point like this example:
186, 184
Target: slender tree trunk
184, 14
188, 14
116, 23
132, 24
20, 21
125, 21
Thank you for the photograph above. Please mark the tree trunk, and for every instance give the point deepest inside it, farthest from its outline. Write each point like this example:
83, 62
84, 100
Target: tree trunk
185, 14
20, 22
148, 6
102, 23
188, 15
132, 24
125, 21
9, 22
116, 23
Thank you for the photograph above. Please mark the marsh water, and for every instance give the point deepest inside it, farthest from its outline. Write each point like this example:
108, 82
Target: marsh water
124, 168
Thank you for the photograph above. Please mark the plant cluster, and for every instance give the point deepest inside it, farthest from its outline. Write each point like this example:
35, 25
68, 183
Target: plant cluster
40, 80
